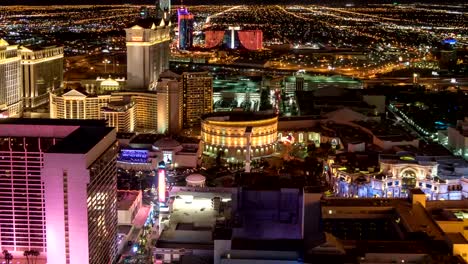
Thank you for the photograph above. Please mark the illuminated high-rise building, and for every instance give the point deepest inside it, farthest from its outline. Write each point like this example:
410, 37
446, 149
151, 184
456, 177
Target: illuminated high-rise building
10, 80
74, 104
185, 25
121, 115
127, 111
147, 53
197, 97
163, 9
42, 70
58, 190
165, 5
146, 109
170, 108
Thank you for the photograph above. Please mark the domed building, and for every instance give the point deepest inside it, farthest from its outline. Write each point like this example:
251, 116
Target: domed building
110, 84
195, 180
230, 134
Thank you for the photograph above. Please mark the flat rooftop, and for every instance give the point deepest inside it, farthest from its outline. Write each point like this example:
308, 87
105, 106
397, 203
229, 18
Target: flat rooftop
81, 141
192, 222
125, 199
267, 244
146, 138
457, 238
53, 122
412, 219
237, 116
386, 130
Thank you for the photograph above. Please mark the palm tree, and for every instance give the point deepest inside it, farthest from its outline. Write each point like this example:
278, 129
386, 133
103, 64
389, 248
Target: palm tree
27, 253
7, 256
35, 253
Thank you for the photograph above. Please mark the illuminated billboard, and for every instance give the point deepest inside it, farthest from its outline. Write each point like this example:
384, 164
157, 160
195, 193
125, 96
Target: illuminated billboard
134, 155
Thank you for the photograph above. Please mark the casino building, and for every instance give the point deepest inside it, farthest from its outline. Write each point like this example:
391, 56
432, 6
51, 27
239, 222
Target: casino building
440, 178
230, 134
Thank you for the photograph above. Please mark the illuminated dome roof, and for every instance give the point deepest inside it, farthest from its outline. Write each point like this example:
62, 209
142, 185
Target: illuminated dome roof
109, 82
166, 143
195, 178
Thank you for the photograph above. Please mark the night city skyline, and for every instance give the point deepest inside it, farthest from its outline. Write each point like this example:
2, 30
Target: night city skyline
229, 132
220, 2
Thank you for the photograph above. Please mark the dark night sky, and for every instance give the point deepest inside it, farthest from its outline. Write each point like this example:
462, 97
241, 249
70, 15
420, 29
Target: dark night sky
198, 2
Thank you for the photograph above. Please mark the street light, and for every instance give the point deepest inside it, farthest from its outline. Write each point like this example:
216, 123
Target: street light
106, 61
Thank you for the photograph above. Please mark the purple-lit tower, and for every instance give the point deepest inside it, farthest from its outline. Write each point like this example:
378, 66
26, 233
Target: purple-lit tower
185, 23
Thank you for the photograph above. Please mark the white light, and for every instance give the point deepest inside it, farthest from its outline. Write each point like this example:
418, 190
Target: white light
453, 80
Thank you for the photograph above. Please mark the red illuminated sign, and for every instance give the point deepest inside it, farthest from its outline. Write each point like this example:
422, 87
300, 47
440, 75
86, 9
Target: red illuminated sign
162, 185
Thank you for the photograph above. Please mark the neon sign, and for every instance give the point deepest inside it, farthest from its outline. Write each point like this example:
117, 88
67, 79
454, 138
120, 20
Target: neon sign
162, 185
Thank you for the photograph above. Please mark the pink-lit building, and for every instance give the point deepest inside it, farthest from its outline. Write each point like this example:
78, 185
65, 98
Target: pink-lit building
213, 38
58, 190
251, 39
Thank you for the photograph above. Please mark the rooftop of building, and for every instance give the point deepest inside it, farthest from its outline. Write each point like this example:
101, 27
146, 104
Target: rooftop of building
267, 244
324, 79
118, 106
238, 116
166, 143
148, 23
39, 47
238, 85
387, 131
412, 220
109, 82
192, 221
357, 161
346, 133
124, 229
53, 122
81, 141
125, 199
125, 135
146, 138
167, 74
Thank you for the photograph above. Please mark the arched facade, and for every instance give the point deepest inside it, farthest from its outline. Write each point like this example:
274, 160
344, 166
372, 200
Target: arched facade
394, 180
228, 135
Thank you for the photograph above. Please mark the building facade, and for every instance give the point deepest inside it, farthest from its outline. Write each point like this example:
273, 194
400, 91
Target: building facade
146, 109
10, 80
120, 115
127, 111
50, 206
42, 68
147, 53
197, 97
442, 179
251, 39
170, 107
233, 134
81, 195
185, 23
74, 104
458, 138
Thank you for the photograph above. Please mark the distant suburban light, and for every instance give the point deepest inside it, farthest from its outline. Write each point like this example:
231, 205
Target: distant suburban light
453, 80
